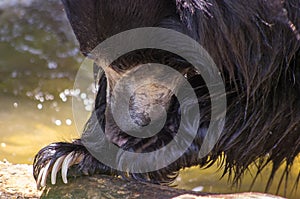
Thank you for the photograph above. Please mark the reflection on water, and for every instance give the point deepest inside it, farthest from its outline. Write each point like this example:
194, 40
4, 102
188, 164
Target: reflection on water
210, 180
39, 58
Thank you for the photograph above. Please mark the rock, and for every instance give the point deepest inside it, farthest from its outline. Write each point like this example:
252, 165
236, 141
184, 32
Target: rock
16, 181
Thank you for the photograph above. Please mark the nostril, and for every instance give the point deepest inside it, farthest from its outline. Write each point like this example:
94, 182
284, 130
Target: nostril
141, 119
149, 122
149, 103
156, 112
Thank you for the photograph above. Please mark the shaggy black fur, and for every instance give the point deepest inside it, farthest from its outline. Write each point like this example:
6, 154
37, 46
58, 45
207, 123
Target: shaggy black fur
255, 44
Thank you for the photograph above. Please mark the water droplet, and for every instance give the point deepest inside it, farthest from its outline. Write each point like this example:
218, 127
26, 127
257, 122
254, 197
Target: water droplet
29, 94
69, 122
16, 105
62, 95
14, 74
83, 96
42, 99
52, 65
91, 101
49, 97
77, 91
89, 108
198, 189
86, 102
67, 92
58, 123
40, 106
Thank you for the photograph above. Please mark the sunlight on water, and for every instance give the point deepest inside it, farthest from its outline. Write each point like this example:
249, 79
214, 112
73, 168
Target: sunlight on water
39, 58
38, 63
210, 180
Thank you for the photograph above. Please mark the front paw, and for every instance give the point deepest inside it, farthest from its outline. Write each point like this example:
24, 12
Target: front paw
55, 157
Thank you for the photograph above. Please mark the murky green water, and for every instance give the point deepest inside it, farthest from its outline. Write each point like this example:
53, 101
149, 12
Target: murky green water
38, 62
39, 58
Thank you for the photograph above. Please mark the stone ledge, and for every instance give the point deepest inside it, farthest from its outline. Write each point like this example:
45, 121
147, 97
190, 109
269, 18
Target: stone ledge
16, 181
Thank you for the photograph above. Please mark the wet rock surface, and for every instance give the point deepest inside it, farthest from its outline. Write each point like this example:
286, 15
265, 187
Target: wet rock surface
16, 181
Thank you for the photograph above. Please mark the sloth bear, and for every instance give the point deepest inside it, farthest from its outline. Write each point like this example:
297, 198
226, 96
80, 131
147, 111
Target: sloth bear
255, 46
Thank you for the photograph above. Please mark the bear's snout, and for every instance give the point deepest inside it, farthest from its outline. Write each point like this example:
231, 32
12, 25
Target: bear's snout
149, 103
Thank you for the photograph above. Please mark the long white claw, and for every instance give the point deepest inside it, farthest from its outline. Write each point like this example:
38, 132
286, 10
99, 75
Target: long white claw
45, 174
65, 166
56, 167
40, 177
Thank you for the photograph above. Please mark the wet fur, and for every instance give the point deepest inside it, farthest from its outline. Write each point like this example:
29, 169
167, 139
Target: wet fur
255, 46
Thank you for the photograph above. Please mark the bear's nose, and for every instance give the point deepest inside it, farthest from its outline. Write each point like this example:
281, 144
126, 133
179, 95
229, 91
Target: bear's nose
149, 104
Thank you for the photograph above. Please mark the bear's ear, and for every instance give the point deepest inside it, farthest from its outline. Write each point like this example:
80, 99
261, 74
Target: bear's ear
82, 16
187, 8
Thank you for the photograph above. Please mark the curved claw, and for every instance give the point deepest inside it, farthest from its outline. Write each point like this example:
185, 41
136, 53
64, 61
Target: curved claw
45, 174
65, 166
38, 181
64, 163
56, 167
70, 160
